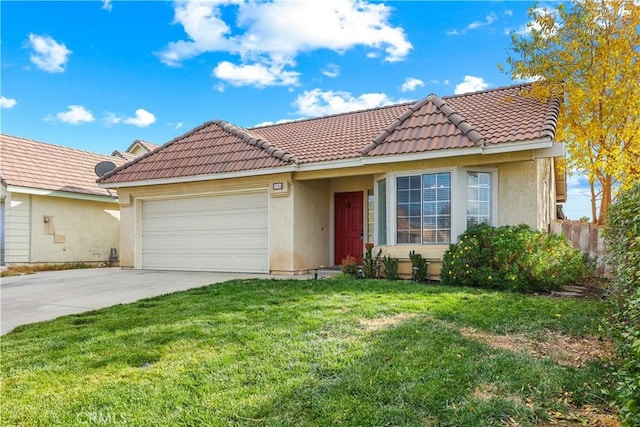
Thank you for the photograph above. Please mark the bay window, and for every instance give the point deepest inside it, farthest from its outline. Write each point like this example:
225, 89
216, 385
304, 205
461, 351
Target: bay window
432, 208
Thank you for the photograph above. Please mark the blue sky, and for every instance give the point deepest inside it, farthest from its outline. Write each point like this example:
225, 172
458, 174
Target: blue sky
96, 75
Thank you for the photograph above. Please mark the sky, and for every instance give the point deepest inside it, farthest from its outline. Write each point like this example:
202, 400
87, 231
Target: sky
97, 75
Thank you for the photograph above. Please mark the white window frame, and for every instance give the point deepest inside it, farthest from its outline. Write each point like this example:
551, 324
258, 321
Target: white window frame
458, 201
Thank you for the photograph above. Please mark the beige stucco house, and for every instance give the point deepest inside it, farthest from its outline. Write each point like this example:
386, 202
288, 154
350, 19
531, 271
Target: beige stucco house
52, 210
291, 197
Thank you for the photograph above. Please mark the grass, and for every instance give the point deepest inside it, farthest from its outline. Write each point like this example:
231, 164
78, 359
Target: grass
279, 353
18, 270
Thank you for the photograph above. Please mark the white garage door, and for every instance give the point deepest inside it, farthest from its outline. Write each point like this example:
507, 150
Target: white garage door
219, 233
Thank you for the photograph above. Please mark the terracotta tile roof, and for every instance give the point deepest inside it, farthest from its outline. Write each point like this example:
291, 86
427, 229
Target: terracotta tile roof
33, 164
476, 119
494, 116
215, 147
340, 136
124, 155
149, 146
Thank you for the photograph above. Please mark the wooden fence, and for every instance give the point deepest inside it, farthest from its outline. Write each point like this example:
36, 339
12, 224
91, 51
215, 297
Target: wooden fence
587, 237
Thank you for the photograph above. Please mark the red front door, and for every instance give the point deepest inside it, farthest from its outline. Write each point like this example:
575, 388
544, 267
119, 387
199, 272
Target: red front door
348, 226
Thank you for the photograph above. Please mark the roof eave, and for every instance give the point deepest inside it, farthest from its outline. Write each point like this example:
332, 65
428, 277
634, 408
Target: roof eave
62, 194
198, 178
543, 147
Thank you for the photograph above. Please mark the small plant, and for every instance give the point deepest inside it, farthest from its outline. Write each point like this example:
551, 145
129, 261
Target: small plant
349, 266
390, 267
418, 267
370, 264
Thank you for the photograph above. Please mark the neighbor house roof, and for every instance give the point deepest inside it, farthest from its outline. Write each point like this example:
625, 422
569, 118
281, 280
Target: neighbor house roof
479, 119
140, 144
137, 148
39, 166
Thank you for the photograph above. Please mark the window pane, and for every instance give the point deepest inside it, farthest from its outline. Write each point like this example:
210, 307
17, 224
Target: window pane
485, 194
382, 212
444, 222
436, 190
409, 209
402, 183
478, 198
429, 208
429, 236
444, 179
485, 209
443, 236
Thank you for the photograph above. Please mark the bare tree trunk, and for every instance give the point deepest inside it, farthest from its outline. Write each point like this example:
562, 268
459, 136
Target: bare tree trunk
594, 213
606, 198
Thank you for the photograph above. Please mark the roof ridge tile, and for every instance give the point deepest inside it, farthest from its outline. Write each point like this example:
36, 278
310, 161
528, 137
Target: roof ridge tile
250, 139
452, 115
458, 120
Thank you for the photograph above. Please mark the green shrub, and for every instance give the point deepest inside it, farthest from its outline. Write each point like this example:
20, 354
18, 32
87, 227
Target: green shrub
371, 265
622, 238
513, 258
390, 267
349, 266
419, 267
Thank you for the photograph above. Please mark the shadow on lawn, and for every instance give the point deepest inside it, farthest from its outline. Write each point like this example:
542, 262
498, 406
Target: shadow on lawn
420, 372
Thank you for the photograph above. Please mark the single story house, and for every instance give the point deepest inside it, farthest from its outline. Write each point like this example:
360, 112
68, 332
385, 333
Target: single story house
52, 210
291, 197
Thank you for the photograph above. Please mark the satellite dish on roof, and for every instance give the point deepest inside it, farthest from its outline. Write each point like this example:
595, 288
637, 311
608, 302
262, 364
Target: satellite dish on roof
104, 168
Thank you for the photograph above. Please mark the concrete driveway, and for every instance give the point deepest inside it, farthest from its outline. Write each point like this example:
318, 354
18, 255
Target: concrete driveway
44, 296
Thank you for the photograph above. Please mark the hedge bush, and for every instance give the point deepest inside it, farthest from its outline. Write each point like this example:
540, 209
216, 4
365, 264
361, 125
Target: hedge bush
622, 238
513, 258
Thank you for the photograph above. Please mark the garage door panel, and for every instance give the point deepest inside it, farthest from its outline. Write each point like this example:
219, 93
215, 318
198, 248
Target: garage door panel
220, 233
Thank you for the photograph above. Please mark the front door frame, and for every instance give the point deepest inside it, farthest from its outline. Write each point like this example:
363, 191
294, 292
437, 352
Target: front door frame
360, 221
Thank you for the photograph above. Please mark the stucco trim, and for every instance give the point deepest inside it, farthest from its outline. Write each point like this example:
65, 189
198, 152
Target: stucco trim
63, 194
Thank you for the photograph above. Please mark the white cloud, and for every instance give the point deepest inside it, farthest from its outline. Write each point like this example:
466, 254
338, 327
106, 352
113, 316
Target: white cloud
106, 5
269, 35
74, 115
410, 84
255, 74
471, 84
527, 79
314, 103
488, 20
176, 126
331, 70
525, 29
508, 12
48, 54
278, 122
142, 119
7, 102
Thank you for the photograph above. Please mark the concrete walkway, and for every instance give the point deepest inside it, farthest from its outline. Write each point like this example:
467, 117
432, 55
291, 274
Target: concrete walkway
44, 296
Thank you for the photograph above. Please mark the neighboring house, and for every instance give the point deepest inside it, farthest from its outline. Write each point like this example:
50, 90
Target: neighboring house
291, 197
137, 148
52, 209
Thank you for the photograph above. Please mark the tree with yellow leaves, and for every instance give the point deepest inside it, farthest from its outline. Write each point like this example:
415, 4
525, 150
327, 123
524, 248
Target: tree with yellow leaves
588, 53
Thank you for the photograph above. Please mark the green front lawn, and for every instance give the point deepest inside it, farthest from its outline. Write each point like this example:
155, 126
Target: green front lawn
267, 352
